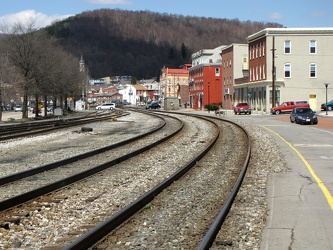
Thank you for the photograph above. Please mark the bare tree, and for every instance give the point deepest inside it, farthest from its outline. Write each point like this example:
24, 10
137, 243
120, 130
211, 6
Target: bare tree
47, 70
3, 65
24, 47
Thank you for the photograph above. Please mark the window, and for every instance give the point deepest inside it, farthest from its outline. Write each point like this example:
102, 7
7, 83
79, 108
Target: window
217, 71
312, 47
256, 50
257, 73
287, 70
287, 47
313, 70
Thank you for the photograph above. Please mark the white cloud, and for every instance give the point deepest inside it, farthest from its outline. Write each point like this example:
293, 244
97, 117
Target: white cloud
105, 2
40, 19
317, 14
275, 16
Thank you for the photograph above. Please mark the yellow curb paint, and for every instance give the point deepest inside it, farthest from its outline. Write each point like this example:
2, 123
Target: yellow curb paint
323, 188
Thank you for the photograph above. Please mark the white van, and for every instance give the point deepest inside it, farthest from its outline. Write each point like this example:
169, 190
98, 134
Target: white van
105, 106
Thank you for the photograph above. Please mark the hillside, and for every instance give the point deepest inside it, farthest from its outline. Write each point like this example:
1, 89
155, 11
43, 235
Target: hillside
117, 42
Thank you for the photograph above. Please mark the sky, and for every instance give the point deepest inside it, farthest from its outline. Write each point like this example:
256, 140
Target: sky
289, 13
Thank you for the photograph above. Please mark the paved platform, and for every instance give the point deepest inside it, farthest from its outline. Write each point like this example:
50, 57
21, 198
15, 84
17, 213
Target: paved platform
300, 202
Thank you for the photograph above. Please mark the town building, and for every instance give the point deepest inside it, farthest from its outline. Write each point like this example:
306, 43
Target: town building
235, 66
140, 94
108, 94
205, 78
287, 64
128, 93
152, 88
174, 86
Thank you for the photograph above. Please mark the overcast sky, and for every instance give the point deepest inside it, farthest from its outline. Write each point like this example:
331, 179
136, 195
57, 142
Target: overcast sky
289, 13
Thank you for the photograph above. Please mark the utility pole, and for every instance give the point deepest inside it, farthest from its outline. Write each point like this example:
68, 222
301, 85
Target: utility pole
273, 72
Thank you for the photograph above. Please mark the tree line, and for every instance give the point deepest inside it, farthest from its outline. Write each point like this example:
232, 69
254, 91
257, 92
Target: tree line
43, 63
140, 43
35, 66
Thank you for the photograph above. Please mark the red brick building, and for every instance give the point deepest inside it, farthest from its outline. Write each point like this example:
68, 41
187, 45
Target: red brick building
206, 78
205, 85
235, 69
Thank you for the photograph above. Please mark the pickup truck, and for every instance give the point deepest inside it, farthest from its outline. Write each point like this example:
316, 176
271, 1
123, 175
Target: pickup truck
242, 107
289, 106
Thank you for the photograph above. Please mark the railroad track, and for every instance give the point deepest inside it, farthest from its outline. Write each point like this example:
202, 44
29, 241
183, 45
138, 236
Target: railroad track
191, 163
31, 183
17, 130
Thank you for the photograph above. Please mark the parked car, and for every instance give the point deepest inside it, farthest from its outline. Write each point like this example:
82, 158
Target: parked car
106, 106
289, 106
18, 108
303, 116
329, 105
153, 105
5, 108
49, 108
242, 107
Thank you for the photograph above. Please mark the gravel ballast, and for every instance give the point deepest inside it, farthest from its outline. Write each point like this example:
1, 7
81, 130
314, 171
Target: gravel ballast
242, 231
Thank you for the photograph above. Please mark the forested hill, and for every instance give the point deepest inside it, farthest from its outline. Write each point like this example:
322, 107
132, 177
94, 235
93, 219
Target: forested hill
116, 42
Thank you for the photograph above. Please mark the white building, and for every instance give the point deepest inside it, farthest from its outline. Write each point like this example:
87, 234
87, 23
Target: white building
128, 92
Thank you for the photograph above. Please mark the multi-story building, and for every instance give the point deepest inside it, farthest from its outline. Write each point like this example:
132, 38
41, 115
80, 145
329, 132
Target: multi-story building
206, 78
287, 64
140, 94
153, 89
172, 80
234, 66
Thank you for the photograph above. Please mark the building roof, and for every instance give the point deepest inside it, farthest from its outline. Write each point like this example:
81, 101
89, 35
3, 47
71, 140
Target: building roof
233, 45
177, 71
290, 31
152, 80
139, 87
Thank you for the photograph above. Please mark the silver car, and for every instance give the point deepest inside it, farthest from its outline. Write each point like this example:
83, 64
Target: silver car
106, 106
18, 108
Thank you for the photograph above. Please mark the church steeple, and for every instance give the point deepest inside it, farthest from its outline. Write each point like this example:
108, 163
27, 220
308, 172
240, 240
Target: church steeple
81, 63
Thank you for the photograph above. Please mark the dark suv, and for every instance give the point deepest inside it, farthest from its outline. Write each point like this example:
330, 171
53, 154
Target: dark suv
153, 105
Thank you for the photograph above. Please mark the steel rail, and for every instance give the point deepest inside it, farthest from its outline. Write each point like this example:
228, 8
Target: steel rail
23, 174
19, 199
32, 129
211, 234
209, 238
97, 233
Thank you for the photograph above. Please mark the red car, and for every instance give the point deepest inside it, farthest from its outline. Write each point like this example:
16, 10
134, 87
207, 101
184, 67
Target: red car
242, 107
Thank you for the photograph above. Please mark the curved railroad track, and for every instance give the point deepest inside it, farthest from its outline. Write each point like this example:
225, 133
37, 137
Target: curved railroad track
34, 182
17, 130
190, 163
138, 228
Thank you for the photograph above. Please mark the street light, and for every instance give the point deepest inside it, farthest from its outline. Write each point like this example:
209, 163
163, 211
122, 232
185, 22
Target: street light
326, 85
208, 98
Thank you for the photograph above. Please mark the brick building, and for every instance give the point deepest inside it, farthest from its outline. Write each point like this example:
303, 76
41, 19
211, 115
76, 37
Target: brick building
206, 78
301, 59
